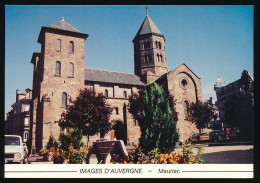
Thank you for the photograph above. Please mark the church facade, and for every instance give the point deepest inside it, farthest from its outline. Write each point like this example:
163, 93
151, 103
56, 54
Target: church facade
59, 74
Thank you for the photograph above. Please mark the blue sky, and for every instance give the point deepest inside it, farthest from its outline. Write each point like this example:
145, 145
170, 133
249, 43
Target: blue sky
210, 40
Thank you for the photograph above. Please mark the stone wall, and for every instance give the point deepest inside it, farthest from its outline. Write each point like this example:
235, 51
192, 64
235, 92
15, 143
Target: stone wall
189, 91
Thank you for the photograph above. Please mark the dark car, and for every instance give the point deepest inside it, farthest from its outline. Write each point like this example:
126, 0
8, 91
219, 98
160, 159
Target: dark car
218, 136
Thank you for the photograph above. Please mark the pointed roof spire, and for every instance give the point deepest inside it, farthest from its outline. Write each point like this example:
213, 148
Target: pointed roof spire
147, 27
64, 26
146, 10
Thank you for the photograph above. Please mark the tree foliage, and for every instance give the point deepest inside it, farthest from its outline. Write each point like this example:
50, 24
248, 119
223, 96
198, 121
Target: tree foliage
232, 111
200, 114
71, 137
88, 114
154, 110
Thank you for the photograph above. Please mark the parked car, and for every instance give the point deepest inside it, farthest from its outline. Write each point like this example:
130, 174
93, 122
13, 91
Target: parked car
194, 137
218, 136
203, 137
15, 149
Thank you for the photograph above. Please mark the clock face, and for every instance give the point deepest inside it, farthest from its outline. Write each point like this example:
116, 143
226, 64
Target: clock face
184, 83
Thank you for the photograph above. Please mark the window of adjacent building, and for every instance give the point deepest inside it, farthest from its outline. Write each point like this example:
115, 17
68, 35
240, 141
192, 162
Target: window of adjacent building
71, 48
106, 93
64, 99
71, 69
26, 107
117, 111
186, 106
25, 136
26, 121
58, 68
58, 45
125, 94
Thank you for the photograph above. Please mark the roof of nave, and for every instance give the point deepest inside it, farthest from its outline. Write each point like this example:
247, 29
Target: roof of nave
112, 77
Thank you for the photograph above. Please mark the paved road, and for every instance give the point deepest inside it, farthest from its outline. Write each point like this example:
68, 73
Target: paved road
233, 154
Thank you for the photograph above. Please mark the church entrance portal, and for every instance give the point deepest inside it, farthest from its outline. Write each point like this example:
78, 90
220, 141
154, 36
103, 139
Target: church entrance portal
120, 131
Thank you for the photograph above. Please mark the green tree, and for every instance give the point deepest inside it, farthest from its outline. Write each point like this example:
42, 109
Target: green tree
200, 114
88, 114
155, 113
232, 111
71, 137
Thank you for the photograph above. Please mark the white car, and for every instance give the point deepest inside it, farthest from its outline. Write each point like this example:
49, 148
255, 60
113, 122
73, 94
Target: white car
15, 149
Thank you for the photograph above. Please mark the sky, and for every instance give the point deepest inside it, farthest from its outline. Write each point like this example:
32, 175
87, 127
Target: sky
211, 40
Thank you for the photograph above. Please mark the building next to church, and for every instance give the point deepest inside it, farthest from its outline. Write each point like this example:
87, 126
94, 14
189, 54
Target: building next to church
18, 119
244, 88
59, 73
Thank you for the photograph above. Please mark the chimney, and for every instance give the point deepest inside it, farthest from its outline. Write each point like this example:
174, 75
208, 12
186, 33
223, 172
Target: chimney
210, 100
28, 93
17, 93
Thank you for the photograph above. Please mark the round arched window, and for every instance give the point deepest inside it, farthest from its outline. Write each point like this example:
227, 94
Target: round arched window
186, 106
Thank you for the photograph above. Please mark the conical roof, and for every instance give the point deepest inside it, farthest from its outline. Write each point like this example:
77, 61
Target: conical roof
147, 27
64, 26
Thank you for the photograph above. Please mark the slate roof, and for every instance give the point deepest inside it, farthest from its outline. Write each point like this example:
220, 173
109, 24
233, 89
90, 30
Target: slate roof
112, 77
64, 26
61, 27
148, 27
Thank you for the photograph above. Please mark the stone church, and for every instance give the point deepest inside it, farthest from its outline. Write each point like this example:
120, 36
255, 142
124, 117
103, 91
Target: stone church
59, 73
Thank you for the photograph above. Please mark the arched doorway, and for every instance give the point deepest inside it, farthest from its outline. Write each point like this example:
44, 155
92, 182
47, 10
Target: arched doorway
120, 131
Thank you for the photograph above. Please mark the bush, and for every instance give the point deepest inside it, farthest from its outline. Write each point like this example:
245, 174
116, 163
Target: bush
43, 152
155, 157
58, 156
52, 142
77, 156
73, 136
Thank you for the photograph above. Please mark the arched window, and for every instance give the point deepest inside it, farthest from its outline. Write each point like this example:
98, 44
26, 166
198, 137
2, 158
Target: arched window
117, 111
161, 58
146, 58
158, 58
58, 45
142, 46
106, 93
150, 58
71, 48
156, 44
58, 68
125, 94
186, 106
71, 69
147, 44
64, 99
160, 45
